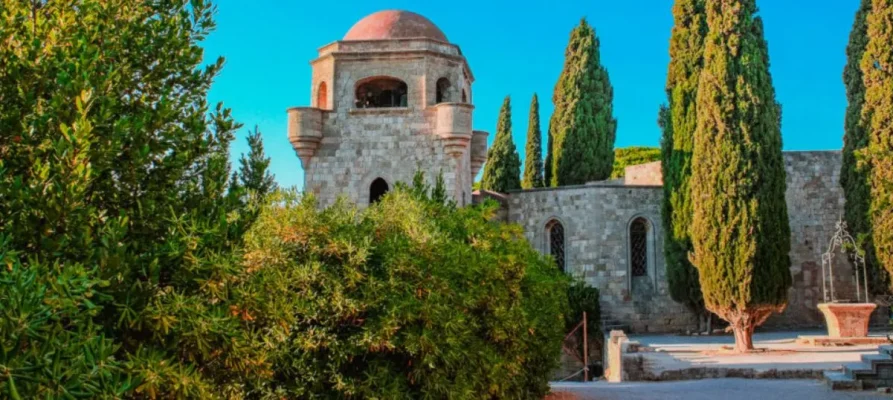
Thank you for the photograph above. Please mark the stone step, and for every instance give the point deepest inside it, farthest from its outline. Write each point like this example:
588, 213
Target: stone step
840, 381
853, 369
875, 359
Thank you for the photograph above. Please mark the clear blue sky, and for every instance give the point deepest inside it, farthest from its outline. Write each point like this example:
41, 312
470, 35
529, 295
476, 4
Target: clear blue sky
517, 48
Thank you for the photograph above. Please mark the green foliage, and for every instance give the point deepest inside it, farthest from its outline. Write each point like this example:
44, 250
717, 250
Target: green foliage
547, 164
583, 298
502, 171
582, 129
410, 298
49, 345
877, 121
678, 122
739, 230
118, 224
853, 175
254, 174
630, 156
533, 153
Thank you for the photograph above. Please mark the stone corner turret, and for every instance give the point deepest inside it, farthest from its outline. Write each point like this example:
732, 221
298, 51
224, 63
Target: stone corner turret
478, 151
305, 131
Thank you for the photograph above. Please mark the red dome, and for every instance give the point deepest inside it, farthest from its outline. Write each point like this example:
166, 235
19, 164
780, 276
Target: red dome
394, 24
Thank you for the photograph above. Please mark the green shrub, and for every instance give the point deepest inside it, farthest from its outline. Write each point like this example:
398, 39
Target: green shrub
629, 156
410, 298
583, 298
119, 220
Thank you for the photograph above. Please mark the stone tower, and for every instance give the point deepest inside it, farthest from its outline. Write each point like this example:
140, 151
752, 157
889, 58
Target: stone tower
393, 97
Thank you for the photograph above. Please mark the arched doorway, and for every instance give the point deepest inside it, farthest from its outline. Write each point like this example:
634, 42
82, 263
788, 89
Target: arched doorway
377, 190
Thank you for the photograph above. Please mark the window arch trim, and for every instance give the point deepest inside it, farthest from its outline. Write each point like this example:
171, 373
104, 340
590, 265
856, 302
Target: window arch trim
398, 88
650, 250
322, 95
443, 89
547, 240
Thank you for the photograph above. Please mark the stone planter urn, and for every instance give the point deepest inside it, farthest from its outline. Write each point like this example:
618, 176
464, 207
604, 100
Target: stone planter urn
846, 320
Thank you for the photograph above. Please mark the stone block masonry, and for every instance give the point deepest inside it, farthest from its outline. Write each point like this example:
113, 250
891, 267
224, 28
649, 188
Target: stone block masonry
600, 246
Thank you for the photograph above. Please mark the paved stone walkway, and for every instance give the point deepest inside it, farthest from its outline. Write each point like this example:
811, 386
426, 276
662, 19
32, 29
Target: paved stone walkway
682, 352
710, 389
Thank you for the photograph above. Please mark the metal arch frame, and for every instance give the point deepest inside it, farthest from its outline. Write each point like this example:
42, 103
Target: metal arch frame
838, 242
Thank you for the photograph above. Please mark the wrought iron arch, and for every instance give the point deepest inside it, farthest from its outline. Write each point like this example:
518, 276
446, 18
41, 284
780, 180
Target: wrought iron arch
843, 241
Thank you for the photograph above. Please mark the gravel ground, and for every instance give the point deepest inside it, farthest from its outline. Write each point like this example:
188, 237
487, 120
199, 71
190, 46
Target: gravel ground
711, 389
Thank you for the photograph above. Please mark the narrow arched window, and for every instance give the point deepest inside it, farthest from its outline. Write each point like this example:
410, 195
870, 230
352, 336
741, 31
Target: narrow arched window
443, 91
322, 96
381, 92
638, 246
377, 190
464, 96
555, 239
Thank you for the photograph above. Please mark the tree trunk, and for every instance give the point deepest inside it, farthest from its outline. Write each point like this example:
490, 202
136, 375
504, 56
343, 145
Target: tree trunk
743, 337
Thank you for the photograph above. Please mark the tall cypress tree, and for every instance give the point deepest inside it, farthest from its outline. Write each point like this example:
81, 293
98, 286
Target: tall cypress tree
503, 169
877, 120
582, 127
533, 154
853, 175
254, 171
547, 165
678, 122
739, 230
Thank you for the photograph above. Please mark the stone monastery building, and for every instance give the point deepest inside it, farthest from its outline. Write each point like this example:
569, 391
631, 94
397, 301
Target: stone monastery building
394, 96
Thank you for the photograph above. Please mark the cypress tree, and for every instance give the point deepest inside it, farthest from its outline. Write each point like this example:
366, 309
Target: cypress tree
853, 175
739, 231
503, 170
877, 120
533, 154
547, 165
582, 127
678, 122
254, 169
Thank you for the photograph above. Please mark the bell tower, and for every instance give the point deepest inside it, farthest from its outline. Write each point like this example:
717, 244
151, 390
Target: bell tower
391, 98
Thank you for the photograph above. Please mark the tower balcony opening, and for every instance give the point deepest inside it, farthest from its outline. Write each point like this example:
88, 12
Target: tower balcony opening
381, 92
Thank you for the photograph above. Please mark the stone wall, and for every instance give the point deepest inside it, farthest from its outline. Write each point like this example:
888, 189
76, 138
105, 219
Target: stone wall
360, 145
648, 174
815, 204
596, 220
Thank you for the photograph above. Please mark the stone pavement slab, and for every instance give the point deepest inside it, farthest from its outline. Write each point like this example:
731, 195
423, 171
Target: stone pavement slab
672, 353
709, 389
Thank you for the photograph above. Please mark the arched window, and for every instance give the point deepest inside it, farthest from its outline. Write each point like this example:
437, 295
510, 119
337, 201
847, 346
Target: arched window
555, 239
639, 247
464, 96
322, 96
381, 92
443, 91
377, 190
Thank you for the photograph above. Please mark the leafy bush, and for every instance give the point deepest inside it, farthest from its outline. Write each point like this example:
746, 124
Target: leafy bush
630, 156
122, 227
119, 219
583, 298
410, 298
